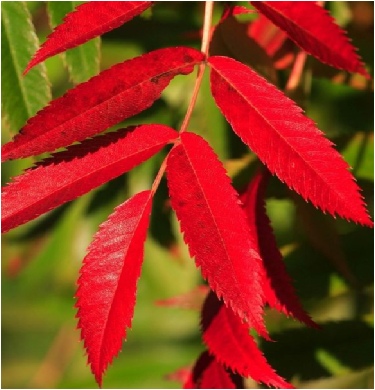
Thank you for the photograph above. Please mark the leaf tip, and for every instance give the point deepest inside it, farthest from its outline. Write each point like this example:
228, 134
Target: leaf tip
30, 65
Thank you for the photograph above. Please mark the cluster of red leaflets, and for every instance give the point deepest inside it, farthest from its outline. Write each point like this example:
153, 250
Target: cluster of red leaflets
229, 236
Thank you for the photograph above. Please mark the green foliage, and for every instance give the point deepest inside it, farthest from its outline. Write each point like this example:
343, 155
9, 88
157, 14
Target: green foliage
21, 97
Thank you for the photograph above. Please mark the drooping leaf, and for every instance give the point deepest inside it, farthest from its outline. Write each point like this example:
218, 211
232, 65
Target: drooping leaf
88, 21
107, 285
114, 95
277, 285
285, 140
214, 224
83, 62
81, 168
315, 31
21, 97
208, 373
228, 339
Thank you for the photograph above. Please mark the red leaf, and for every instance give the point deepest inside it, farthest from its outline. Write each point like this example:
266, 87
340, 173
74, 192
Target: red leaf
208, 373
107, 285
277, 286
315, 31
285, 140
78, 170
88, 21
218, 235
114, 95
228, 339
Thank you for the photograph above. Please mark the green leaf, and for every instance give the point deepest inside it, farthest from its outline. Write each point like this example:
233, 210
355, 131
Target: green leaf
359, 153
21, 97
82, 62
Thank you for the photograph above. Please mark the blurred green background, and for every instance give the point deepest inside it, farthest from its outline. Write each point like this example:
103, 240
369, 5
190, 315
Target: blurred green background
330, 261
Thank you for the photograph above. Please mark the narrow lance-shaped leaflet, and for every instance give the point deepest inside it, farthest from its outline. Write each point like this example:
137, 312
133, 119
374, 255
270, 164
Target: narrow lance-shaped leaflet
215, 227
78, 170
107, 285
276, 283
105, 100
88, 21
286, 141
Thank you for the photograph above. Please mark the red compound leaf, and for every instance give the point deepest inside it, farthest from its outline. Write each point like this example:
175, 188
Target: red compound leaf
107, 285
88, 21
228, 339
78, 170
215, 227
286, 141
91, 107
315, 31
277, 286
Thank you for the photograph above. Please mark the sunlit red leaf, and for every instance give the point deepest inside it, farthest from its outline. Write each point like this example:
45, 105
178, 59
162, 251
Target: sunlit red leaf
78, 170
277, 285
215, 227
228, 339
285, 140
315, 31
88, 21
114, 95
107, 285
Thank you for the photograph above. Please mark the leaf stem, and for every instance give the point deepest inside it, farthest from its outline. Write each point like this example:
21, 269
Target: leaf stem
159, 175
206, 35
204, 48
206, 38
